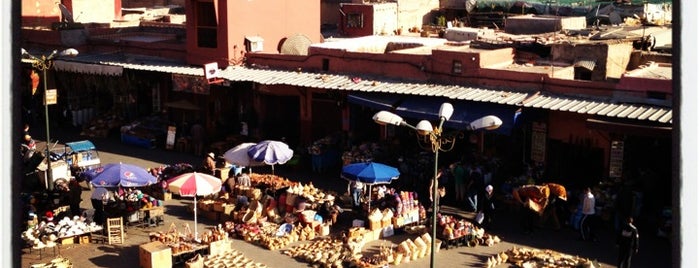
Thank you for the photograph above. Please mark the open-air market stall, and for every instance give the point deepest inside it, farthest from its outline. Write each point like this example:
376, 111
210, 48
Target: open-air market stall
146, 132
369, 173
48, 234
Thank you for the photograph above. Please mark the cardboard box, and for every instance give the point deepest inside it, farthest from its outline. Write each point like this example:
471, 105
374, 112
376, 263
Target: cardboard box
84, 239
155, 255
374, 224
66, 240
219, 247
324, 229
385, 222
398, 222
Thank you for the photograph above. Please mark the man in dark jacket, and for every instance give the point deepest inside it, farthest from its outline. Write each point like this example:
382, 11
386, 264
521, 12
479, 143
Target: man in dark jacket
627, 241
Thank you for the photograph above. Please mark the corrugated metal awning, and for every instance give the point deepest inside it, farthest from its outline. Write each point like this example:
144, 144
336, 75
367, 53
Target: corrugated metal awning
354, 83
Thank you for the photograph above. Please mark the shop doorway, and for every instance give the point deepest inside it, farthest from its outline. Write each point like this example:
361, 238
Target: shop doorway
574, 165
281, 120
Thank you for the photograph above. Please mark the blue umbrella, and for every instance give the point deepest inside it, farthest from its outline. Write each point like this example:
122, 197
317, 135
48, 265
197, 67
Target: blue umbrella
124, 175
370, 173
271, 152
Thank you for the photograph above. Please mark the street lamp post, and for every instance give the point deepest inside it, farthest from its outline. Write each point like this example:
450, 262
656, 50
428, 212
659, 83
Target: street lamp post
435, 140
43, 64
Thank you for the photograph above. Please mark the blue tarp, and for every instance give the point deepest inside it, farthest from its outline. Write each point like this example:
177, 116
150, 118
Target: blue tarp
415, 108
80, 146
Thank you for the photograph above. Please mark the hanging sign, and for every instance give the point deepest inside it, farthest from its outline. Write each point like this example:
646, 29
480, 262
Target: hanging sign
51, 96
170, 140
538, 152
616, 159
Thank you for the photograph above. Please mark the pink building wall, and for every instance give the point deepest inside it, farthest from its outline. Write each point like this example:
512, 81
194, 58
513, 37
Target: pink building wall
271, 20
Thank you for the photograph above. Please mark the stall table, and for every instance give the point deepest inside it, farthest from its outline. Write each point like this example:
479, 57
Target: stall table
182, 256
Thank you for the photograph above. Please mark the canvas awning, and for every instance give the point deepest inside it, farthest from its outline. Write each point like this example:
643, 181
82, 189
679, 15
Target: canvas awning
182, 104
87, 68
425, 107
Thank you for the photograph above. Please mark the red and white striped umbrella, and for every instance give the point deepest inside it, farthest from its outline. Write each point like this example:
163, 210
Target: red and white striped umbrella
194, 184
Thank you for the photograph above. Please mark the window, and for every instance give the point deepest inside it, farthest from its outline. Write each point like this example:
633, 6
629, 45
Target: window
206, 25
355, 20
326, 64
456, 67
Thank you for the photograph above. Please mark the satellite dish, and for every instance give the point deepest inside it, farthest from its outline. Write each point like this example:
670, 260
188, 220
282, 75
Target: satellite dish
66, 16
296, 45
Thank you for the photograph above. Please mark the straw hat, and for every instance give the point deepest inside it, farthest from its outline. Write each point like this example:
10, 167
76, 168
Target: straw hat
212, 155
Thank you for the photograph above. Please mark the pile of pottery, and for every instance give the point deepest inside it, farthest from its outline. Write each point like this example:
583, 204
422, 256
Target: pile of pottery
231, 258
323, 252
58, 262
526, 257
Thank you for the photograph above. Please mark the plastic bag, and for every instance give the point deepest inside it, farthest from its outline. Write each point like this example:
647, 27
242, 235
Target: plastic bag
479, 217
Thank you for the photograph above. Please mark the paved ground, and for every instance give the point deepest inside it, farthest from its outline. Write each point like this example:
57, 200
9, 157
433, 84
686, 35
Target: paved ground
654, 252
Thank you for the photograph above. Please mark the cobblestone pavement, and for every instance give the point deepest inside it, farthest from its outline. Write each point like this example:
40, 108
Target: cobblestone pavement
654, 252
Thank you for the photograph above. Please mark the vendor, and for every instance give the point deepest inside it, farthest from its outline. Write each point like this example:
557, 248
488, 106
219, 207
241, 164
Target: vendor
210, 163
243, 180
329, 210
356, 189
99, 197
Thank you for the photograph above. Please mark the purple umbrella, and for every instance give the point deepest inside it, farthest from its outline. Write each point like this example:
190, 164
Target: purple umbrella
124, 175
271, 152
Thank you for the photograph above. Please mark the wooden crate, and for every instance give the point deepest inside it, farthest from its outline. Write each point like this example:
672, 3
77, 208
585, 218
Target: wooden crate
66, 240
155, 255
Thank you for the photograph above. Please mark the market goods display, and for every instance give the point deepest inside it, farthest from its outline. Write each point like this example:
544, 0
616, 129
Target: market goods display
526, 258
381, 259
45, 234
230, 259
272, 236
269, 181
58, 262
323, 252
182, 242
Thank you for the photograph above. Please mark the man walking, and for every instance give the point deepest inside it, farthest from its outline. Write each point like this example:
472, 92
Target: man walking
588, 219
627, 241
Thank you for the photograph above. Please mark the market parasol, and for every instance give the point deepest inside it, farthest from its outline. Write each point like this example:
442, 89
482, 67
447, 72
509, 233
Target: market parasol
194, 184
370, 173
119, 174
238, 156
271, 152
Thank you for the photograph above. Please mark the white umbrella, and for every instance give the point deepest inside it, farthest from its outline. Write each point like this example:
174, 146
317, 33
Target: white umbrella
238, 156
194, 184
271, 153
